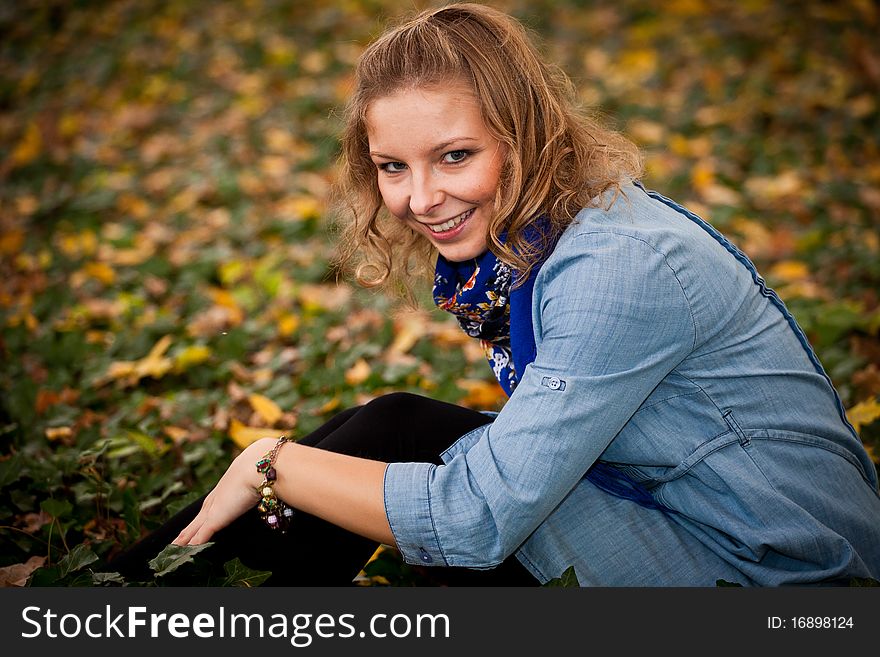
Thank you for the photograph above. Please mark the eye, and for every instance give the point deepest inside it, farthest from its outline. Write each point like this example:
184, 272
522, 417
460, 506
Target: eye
454, 157
391, 167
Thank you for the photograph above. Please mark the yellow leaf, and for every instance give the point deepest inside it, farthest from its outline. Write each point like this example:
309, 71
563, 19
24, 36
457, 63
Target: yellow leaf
408, 329
11, 241
154, 364
647, 132
481, 394
358, 372
863, 413
28, 149
231, 271
224, 299
720, 195
317, 297
790, 270
58, 433
177, 434
299, 208
150, 362
275, 166
244, 435
287, 324
192, 355
69, 125
100, 271
330, 405
702, 175
27, 204
785, 185
267, 409
639, 63
120, 369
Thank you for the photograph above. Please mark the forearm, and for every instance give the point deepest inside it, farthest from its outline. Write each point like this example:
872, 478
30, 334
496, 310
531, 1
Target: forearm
345, 490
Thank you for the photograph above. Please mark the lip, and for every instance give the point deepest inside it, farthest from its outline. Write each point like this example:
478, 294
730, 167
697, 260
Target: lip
450, 234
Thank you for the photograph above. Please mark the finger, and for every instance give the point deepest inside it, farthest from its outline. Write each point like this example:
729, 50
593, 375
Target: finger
187, 533
185, 536
203, 535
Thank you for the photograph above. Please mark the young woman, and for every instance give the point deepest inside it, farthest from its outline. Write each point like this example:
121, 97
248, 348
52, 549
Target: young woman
668, 422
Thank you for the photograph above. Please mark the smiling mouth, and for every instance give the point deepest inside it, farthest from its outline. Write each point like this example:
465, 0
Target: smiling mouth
452, 223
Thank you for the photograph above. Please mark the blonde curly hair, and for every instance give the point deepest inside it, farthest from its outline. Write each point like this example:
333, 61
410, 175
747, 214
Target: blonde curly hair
559, 160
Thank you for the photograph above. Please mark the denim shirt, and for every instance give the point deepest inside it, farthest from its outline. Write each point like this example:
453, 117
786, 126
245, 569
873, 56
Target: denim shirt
660, 350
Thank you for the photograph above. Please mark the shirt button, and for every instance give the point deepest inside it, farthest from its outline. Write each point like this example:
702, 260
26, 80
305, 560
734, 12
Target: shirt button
554, 383
425, 556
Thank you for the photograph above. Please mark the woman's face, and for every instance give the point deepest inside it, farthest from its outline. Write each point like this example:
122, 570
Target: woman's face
437, 165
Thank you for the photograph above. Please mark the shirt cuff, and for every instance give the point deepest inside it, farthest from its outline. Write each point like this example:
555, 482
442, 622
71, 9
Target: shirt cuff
408, 509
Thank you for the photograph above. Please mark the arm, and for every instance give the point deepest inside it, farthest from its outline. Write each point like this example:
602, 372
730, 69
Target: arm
345, 490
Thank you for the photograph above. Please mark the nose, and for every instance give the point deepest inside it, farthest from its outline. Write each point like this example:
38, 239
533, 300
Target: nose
425, 194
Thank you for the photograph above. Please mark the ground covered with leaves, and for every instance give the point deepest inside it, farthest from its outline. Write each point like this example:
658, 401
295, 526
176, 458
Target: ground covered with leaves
166, 292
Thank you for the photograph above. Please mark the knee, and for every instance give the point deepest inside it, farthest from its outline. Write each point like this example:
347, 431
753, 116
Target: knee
396, 406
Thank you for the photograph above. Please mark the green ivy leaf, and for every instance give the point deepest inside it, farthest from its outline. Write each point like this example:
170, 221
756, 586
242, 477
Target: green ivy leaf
102, 579
56, 508
237, 574
131, 513
46, 576
567, 579
78, 558
724, 582
863, 581
174, 556
11, 470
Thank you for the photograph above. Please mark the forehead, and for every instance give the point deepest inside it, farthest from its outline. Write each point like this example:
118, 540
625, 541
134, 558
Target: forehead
422, 116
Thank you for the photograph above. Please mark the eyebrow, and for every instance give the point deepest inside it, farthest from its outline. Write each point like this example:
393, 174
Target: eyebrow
438, 147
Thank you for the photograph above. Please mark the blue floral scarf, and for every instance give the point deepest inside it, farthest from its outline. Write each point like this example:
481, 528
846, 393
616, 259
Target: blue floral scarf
477, 292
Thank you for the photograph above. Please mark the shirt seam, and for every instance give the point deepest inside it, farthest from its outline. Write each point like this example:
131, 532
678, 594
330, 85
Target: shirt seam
431, 516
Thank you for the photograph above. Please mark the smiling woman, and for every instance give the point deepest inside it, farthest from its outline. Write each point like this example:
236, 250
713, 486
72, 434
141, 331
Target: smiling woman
439, 166
668, 423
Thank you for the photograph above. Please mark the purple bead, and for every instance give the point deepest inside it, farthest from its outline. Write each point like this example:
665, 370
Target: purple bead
271, 474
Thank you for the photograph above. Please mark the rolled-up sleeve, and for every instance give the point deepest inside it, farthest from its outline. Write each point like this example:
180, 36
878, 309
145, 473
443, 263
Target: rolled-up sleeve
611, 320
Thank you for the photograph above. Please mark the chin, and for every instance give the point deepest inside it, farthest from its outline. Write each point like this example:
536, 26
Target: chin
460, 255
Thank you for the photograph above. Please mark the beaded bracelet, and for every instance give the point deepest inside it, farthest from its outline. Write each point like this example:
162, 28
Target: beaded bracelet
273, 511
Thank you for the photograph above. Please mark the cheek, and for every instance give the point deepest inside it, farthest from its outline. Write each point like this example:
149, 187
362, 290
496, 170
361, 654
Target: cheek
392, 198
490, 179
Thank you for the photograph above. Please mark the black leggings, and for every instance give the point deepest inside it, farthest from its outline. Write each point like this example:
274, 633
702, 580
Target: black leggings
399, 427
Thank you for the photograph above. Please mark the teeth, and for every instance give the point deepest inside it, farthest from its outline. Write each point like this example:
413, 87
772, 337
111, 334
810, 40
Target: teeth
452, 223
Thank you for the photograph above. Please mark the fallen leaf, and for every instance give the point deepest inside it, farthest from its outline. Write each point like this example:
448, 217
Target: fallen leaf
243, 435
265, 407
863, 413
154, 364
100, 271
358, 373
177, 434
29, 147
17, 574
11, 241
408, 329
287, 324
58, 433
192, 355
330, 405
790, 270
481, 394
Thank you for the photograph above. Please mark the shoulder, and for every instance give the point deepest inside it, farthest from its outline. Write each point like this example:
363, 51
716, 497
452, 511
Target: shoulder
635, 234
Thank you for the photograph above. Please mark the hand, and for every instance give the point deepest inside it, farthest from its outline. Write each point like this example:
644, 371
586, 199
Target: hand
235, 494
